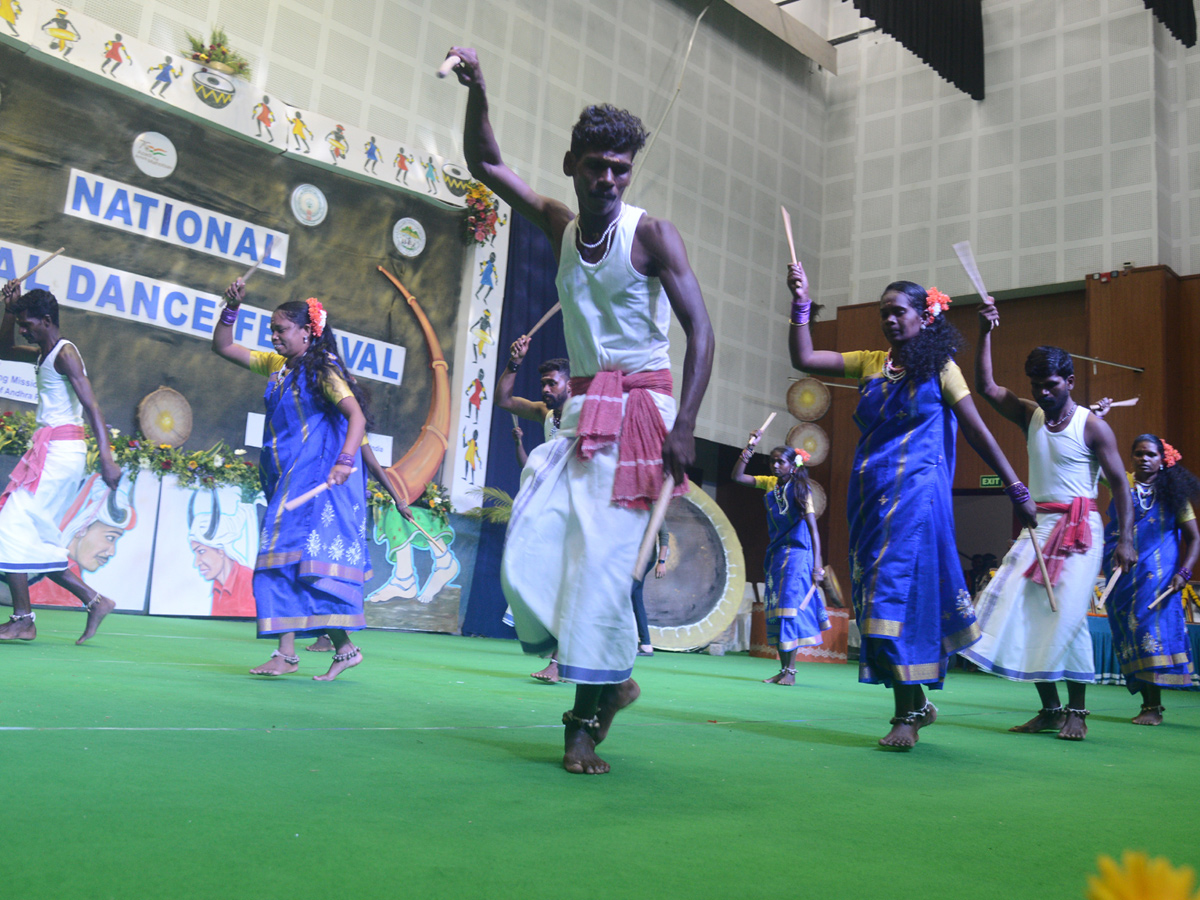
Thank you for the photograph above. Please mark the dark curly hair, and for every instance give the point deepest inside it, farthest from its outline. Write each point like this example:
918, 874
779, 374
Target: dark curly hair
557, 364
1046, 362
924, 356
603, 126
1175, 485
37, 304
799, 477
321, 359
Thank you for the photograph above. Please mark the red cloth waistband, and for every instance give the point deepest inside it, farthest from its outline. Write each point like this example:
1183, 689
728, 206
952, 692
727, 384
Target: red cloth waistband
28, 470
639, 432
1071, 534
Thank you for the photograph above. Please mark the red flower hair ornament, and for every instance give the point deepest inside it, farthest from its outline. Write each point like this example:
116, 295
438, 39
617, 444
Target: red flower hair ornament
316, 316
935, 304
802, 456
1170, 455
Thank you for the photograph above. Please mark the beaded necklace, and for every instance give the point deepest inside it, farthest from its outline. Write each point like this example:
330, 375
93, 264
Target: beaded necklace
1144, 492
781, 498
605, 237
1067, 413
893, 372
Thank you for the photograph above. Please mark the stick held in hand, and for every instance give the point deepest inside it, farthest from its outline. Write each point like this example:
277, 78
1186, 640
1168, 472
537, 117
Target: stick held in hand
308, 495
550, 313
967, 257
657, 515
447, 65
1112, 583
787, 230
39, 265
1042, 566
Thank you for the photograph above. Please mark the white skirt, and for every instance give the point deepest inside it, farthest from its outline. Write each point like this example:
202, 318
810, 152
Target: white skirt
1022, 639
30, 539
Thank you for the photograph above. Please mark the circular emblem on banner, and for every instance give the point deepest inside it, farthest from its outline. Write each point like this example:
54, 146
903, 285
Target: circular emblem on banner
409, 237
309, 205
213, 88
457, 179
154, 154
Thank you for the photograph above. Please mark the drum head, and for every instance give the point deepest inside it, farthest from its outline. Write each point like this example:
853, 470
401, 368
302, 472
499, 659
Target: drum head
165, 417
702, 590
812, 439
808, 399
820, 501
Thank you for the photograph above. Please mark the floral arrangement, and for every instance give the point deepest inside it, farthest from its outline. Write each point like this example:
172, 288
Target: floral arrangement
936, 303
217, 50
435, 498
217, 466
482, 213
1141, 878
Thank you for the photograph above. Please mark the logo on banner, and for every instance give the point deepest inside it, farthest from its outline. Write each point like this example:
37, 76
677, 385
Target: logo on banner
154, 154
409, 237
213, 88
309, 205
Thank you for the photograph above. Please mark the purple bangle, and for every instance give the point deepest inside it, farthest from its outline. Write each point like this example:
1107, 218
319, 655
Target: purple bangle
1185, 572
800, 312
229, 315
344, 459
1017, 492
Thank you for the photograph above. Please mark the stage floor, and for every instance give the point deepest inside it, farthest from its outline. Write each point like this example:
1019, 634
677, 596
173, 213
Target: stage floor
148, 764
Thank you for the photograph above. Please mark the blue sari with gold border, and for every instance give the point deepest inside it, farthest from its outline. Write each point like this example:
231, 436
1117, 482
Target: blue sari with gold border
1151, 645
313, 560
909, 594
788, 568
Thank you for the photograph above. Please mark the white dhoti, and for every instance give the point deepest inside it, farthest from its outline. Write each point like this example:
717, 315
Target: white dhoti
30, 539
1023, 639
569, 555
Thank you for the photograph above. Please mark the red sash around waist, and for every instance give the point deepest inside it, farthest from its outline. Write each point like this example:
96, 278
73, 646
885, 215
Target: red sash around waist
28, 470
640, 432
1072, 534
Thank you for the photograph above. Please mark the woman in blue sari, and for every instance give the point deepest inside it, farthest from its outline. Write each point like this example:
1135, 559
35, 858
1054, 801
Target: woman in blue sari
910, 597
312, 560
1151, 640
793, 563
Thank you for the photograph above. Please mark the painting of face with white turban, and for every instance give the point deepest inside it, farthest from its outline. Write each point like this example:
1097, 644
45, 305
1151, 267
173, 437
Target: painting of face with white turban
222, 544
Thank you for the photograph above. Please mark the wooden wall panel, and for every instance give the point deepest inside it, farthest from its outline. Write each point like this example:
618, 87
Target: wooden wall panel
1183, 378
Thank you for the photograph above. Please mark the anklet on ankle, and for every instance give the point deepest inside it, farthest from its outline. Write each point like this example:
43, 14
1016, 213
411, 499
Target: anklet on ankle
789, 671
591, 726
343, 657
95, 599
31, 616
907, 719
1154, 709
1049, 711
290, 660
1082, 713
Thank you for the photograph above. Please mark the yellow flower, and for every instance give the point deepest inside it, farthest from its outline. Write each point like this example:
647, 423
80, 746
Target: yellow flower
1141, 878
192, 464
164, 446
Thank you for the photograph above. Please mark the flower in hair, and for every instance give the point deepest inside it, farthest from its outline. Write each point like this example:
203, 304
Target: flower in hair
1170, 455
935, 304
316, 316
802, 456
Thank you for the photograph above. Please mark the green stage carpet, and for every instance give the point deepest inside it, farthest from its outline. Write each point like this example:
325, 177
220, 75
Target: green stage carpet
148, 764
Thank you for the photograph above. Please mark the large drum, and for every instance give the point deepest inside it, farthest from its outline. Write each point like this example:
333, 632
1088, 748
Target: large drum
702, 590
213, 88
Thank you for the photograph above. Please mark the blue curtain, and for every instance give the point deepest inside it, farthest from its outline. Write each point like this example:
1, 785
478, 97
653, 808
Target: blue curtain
528, 293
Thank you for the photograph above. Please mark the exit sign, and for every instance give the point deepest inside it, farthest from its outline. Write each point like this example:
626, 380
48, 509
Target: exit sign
990, 481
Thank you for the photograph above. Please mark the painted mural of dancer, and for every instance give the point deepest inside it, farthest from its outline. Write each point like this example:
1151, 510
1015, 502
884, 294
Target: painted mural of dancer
313, 560
300, 131
431, 175
62, 33
338, 145
264, 118
165, 77
401, 162
574, 534
476, 394
909, 593
1150, 634
114, 52
793, 563
10, 11
1022, 638
47, 477
372, 150
487, 276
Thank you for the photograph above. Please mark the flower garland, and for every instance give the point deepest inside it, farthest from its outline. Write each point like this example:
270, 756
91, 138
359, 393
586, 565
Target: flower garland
1170, 455
316, 316
802, 456
936, 303
482, 213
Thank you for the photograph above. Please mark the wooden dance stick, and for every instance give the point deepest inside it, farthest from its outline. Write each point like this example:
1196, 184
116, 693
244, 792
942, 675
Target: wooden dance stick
765, 425
544, 319
1163, 596
308, 495
39, 265
447, 64
812, 590
1042, 565
258, 262
1096, 406
1112, 583
433, 542
967, 257
787, 229
657, 515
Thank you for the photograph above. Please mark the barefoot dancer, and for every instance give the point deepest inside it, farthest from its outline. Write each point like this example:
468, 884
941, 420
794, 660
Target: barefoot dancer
574, 534
793, 560
1152, 644
1023, 638
312, 561
556, 389
910, 598
47, 477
